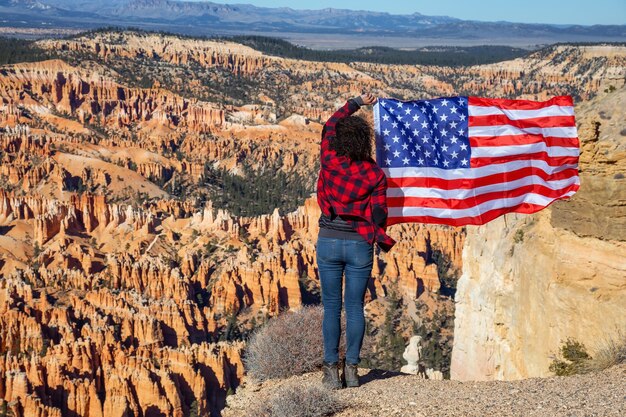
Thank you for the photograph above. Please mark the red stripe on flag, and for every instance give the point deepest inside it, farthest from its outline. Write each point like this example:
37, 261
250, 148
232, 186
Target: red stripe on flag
501, 119
509, 140
520, 104
467, 184
458, 204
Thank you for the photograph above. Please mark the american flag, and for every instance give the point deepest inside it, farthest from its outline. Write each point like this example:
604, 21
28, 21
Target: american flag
468, 160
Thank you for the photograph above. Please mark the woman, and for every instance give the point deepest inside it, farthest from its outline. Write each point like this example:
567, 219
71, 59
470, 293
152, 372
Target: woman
351, 192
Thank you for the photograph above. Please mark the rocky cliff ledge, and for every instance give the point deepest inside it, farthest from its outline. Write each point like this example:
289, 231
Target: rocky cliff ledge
391, 394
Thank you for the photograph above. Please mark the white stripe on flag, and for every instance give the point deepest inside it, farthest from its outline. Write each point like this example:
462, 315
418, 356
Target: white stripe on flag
522, 114
508, 130
475, 211
492, 151
464, 173
460, 194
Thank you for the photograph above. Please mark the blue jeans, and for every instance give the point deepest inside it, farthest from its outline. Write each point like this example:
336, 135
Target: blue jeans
355, 258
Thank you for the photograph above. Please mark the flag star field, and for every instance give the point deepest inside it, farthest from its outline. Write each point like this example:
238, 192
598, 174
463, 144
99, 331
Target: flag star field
428, 133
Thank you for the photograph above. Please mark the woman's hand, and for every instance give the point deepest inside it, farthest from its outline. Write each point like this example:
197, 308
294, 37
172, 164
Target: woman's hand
368, 98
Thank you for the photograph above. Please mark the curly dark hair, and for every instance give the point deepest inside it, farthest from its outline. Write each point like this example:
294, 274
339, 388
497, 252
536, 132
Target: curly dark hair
354, 138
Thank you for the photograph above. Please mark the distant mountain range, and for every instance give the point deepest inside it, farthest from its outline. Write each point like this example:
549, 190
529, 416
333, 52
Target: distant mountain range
208, 18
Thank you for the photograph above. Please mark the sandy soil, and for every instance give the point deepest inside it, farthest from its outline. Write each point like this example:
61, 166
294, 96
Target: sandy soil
385, 393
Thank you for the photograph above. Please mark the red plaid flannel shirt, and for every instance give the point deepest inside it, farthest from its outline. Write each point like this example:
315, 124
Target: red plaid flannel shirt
351, 189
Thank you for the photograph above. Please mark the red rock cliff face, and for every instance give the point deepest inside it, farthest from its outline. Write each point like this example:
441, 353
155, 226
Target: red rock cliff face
103, 101
233, 57
91, 356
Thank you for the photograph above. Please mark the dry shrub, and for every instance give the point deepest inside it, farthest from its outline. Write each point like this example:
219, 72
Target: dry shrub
576, 360
611, 353
290, 344
294, 400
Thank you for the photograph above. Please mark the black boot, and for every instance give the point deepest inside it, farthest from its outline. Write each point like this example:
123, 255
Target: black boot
351, 375
331, 375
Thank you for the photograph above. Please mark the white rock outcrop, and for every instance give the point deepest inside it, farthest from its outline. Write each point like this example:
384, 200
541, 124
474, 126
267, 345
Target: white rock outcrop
412, 354
526, 287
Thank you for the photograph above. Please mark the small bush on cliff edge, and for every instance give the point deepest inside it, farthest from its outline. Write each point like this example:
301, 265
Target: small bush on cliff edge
571, 362
294, 400
290, 344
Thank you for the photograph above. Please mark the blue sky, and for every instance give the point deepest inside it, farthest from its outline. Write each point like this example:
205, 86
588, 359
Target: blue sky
583, 12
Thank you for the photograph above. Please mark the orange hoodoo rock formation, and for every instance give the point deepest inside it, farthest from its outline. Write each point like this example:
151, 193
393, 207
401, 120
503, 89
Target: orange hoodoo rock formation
97, 99
233, 57
287, 255
92, 356
84, 213
131, 313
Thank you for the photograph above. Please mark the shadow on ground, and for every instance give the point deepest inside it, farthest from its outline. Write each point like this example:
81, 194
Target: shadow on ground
376, 374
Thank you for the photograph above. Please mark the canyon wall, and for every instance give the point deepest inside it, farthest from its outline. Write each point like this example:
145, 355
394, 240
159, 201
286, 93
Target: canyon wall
531, 282
517, 302
99, 320
97, 99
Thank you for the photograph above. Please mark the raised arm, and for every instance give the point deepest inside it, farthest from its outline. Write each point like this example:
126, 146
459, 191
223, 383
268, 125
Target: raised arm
344, 111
